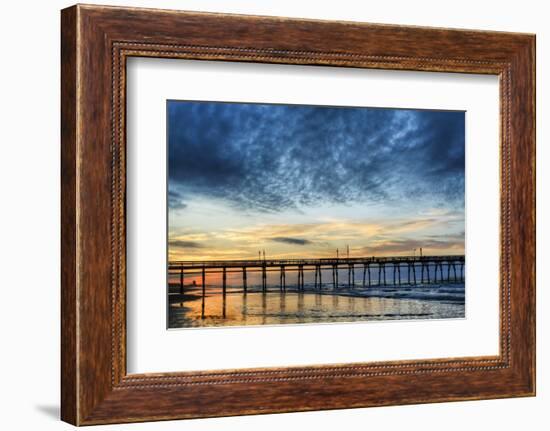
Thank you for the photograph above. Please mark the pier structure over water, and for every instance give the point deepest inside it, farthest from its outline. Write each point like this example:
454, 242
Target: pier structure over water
374, 270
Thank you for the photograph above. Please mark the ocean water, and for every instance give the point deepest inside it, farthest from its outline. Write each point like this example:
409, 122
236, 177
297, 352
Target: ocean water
347, 303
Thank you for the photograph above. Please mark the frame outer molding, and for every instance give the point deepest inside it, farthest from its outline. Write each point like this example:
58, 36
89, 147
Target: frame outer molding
69, 331
95, 41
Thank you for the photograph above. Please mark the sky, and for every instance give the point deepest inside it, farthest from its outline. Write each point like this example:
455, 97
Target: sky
306, 181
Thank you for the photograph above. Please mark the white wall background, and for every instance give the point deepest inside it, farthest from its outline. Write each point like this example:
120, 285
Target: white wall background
29, 224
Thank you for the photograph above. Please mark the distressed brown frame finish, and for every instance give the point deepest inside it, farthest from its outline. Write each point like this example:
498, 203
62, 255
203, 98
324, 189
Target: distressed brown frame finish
96, 41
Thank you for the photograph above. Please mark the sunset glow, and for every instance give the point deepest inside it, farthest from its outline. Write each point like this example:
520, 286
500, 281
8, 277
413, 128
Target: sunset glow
305, 181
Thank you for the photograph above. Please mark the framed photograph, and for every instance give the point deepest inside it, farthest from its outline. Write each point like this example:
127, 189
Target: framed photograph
299, 184
265, 215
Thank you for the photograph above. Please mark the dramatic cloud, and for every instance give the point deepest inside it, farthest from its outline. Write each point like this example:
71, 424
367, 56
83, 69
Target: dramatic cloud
175, 200
270, 158
405, 246
309, 181
184, 244
374, 237
293, 241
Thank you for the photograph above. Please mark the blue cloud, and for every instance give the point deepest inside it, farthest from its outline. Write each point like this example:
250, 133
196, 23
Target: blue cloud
273, 157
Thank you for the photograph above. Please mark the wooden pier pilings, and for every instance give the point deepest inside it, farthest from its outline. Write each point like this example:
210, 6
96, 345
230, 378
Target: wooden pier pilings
420, 270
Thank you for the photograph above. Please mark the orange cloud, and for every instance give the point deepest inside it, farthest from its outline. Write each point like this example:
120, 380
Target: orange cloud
321, 239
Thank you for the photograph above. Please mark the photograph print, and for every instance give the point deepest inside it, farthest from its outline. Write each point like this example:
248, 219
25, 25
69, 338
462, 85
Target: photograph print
293, 214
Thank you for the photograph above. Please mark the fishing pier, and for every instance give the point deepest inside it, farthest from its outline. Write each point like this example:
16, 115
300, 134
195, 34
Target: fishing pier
373, 271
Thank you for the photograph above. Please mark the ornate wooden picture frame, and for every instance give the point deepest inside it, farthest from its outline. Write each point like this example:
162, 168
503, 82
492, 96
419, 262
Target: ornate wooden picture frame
96, 41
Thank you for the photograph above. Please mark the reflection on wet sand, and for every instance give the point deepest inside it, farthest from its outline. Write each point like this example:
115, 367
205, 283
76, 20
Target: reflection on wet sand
236, 307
